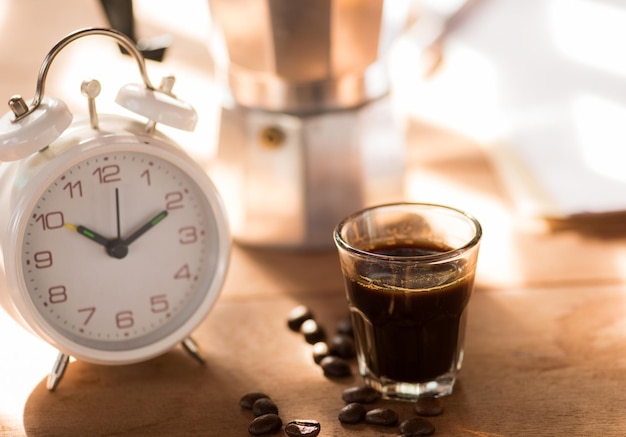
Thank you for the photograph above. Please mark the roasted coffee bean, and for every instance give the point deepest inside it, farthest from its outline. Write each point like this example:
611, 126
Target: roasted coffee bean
381, 416
342, 346
303, 428
266, 424
416, 427
312, 332
361, 394
344, 326
264, 406
298, 316
352, 413
320, 351
428, 406
248, 400
335, 367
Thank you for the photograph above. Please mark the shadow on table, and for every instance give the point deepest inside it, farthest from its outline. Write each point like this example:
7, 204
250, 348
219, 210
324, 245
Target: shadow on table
175, 395
601, 226
157, 397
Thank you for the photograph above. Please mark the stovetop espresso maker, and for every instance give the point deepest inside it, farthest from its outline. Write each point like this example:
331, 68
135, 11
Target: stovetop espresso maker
307, 129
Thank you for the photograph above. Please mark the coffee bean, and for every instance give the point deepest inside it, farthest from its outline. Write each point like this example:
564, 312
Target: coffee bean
416, 427
303, 428
428, 406
312, 332
382, 416
248, 400
266, 424
352, 413
264, 406
362, 394
342, 346
344, 326
298, 316
320, 351
335, 367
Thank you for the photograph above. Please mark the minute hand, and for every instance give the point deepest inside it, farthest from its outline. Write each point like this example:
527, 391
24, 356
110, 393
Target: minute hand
142, 230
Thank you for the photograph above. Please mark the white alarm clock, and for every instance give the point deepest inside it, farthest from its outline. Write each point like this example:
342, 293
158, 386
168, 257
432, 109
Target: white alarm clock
114, 243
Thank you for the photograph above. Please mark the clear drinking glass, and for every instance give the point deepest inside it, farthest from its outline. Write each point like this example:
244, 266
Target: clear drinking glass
409, 272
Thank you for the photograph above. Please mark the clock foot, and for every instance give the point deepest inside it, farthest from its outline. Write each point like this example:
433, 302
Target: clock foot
190, 345
57, 371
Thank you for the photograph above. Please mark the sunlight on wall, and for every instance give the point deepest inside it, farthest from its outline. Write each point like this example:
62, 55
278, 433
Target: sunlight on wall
4, 6
593, 34
188, 19
600, 126
590, 32
467, 103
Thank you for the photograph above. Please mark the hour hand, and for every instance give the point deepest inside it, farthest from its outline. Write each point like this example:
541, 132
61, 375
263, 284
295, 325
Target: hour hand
94, 236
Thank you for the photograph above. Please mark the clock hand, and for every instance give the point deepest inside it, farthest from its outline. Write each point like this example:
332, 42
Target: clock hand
117, 213
115, 247
94, 236
142, 230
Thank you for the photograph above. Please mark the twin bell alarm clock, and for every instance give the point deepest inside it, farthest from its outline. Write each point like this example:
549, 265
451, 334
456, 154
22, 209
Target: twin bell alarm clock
114, 243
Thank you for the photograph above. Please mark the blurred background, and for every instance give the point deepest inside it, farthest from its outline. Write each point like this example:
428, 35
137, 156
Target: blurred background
304, 109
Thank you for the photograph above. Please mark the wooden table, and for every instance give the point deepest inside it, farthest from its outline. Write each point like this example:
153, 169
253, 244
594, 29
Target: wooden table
546, 341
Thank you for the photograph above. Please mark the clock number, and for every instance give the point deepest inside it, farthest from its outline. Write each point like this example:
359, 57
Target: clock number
183, 273
57, 294
124, 319
107, 173
174, 200
146, 174
188, 235
43, 259
52, 220
74, 186
90, 311
159, 303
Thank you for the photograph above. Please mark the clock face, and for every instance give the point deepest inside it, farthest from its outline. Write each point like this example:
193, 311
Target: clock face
120, 251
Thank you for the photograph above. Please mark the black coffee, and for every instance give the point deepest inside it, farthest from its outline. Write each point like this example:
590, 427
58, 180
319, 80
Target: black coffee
410, 336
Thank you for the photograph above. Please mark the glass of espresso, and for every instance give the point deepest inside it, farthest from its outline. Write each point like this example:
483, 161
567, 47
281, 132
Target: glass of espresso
409, 272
